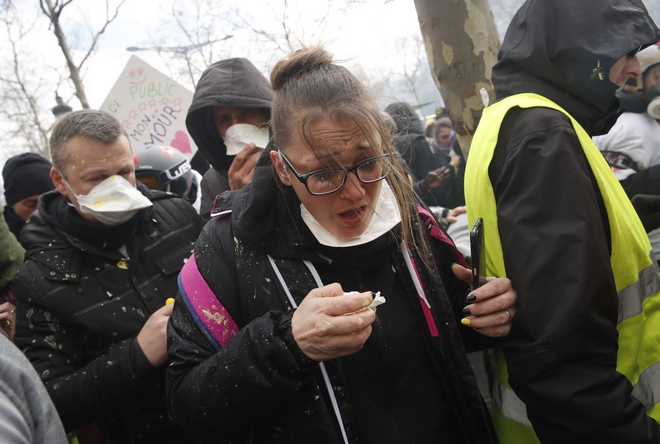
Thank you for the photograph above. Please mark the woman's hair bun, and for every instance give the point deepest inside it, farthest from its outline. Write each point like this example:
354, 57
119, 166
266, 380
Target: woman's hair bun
297, 63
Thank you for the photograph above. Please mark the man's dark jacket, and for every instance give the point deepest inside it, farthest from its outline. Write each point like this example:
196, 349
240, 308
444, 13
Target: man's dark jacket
410, 141
81, 304
562, 350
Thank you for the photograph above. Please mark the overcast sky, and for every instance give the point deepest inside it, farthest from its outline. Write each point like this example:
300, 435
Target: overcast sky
366, 32
367, 35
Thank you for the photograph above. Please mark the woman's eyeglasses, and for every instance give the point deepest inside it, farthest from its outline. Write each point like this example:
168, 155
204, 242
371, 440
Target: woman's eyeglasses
328, 180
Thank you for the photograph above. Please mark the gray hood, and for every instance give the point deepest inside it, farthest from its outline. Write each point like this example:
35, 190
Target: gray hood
405, 118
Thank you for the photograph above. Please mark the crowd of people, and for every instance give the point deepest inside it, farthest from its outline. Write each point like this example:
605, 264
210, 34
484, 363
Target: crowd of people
303, 278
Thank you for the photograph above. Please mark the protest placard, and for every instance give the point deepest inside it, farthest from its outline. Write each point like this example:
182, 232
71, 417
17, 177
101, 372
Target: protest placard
151, 107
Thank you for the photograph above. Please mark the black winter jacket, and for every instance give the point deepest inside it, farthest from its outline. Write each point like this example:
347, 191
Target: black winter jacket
450, 193
261, 385
410, 141
80, 307
14, 222
562, 350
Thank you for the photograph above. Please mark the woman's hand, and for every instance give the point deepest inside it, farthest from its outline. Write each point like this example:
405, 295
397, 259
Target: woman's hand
328, 324
454, 212
8, 319
491, 307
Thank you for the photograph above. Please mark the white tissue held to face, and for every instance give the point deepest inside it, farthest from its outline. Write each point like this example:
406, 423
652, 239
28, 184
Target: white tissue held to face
241, 134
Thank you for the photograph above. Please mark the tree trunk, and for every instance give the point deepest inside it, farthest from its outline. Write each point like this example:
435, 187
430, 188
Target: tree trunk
74, 70
461, 42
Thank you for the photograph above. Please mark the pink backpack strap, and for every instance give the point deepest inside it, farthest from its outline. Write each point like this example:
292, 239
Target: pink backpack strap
211, 317
436, 232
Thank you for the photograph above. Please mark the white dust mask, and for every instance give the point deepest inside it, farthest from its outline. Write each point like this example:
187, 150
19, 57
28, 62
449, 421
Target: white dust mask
112, 202
386, 216
241, 134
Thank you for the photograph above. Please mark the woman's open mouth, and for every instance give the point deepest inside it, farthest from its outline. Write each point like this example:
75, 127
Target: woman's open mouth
353, 217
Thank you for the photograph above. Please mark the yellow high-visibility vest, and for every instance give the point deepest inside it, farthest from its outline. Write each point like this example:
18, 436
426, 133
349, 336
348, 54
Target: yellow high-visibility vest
635, 272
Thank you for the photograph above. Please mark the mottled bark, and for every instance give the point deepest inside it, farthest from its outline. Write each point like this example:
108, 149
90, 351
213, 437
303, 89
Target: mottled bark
461, 42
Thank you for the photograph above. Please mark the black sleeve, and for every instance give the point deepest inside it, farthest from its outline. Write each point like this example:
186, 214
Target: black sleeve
448, 195
82, 391
648, 210
230, 392
562, 350
424, 193
416, 152
643, 182
213, 183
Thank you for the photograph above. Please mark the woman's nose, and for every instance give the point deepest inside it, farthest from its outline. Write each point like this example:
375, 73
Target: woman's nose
352, 188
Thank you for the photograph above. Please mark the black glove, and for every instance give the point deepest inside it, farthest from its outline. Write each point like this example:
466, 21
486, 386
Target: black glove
648, 210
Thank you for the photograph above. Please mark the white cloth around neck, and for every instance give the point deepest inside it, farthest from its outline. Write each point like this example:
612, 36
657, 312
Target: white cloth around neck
386, 216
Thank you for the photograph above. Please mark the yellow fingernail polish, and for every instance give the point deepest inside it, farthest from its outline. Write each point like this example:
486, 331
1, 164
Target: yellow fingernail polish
169, 301
465, 321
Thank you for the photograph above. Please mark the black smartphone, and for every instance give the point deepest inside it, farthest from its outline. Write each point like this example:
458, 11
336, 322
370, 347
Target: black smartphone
478, 253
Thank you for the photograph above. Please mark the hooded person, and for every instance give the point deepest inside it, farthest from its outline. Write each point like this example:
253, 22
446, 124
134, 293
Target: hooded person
229, 112
632, 146
583, 353
434, 181
410, 141
26, 177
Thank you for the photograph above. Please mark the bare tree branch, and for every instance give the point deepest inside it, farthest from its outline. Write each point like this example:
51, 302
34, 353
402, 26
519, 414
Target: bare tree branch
21, 111
202, 26
95, 40
53, 11
413, 61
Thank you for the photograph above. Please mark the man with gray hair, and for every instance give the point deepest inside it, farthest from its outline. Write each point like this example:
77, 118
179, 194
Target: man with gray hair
103, 255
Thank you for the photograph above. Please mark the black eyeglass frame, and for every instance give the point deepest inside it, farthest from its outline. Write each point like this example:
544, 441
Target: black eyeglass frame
350, 169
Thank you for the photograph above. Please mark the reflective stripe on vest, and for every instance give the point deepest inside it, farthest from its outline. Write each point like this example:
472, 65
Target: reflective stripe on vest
509, 405
632, 297
635, 273
646, 388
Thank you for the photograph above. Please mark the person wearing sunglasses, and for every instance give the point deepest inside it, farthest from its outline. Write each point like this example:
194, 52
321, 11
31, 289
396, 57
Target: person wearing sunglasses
275, 337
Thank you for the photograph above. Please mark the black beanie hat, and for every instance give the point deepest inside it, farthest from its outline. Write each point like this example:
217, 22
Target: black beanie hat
26, 175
